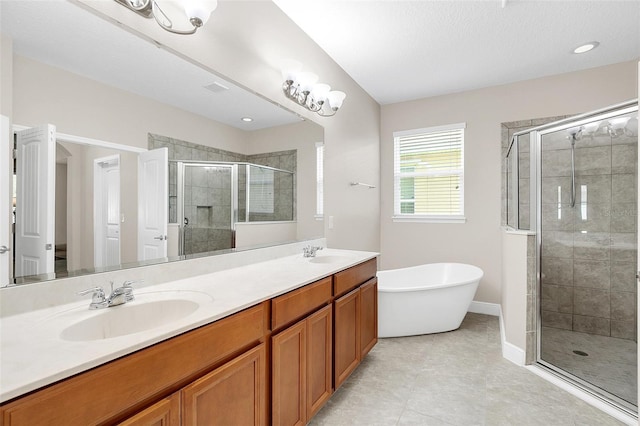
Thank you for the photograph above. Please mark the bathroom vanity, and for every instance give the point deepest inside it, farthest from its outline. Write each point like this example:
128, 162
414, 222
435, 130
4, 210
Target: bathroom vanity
272, 352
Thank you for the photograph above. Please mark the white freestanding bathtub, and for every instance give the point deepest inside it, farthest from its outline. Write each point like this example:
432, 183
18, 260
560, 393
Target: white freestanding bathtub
425, 299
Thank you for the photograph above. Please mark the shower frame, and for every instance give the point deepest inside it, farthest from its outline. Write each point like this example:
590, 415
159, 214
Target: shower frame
234, 211
535, 149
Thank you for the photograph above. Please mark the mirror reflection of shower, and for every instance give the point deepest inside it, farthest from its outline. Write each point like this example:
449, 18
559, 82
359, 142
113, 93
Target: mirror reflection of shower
212, 198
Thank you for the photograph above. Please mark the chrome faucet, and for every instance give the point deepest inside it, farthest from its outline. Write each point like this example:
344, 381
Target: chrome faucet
122, 294
310, 251
119, 296
98, 300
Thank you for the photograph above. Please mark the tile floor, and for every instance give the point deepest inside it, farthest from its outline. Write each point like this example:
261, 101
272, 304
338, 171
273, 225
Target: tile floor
611, 364
455, 378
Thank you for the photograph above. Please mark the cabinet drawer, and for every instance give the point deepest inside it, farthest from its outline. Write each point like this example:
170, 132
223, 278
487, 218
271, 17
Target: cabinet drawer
113, 390
349, 279
296, 304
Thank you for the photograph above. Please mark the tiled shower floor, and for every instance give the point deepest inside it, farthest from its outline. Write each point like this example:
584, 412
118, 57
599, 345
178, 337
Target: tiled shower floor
454, 378
611, 363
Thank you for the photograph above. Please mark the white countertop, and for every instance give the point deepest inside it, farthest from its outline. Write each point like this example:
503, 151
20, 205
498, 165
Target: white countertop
33, 353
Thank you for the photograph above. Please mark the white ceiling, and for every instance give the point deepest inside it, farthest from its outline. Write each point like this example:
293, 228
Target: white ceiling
404, 50
64, 35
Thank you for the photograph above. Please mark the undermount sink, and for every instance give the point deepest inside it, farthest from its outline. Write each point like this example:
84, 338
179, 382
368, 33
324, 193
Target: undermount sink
129, 318
328, 259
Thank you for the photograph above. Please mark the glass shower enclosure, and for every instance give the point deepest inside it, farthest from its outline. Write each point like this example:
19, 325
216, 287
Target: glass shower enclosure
574, 183
208, 199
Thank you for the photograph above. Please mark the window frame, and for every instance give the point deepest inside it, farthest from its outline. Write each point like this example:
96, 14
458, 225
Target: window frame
319, 215
398, 175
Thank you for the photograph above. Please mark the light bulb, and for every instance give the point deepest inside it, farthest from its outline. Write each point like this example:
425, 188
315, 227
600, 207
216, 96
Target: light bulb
590, 128
335, 99
307, 80
320, 91
619, 123
139, 4
199, 11
586, 47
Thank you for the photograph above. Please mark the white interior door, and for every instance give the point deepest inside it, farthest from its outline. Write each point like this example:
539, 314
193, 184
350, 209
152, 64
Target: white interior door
153, 200
106, 211
6, 171
35, 204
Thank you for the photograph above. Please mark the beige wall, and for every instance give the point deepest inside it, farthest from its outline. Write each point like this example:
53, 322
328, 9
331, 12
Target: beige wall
245, 41
6, 76
478, 240
514, 296
83, 107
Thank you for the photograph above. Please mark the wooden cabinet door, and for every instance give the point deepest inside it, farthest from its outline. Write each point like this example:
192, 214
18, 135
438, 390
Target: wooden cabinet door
162, 413
288, 375
319, 359
346, 335
368, 316
233, 394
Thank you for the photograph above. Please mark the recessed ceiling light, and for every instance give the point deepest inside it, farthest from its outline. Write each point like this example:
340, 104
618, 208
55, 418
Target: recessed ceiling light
586, 47
247, 119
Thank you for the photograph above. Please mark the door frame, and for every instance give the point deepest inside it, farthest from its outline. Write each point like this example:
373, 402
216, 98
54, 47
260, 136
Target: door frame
6, 173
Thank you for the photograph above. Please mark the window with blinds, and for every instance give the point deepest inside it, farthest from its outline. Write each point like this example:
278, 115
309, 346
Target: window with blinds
319, 180
261, 189
429, 174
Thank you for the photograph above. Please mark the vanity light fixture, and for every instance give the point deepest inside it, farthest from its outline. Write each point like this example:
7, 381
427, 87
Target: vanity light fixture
586, 47
196, 12
302, 88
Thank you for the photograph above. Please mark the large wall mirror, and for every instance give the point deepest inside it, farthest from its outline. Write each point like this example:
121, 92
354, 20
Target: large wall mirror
142, 156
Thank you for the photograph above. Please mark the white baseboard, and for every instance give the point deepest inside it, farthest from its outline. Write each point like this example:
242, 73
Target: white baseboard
509, 351
484, 308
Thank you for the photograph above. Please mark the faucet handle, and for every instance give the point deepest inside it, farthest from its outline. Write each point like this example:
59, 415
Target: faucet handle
98, 292
129, 283
127, 289
98, 298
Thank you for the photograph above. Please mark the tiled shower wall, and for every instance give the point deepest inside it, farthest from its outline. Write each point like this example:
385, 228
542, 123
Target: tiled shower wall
589, 251
207, 205
508, 130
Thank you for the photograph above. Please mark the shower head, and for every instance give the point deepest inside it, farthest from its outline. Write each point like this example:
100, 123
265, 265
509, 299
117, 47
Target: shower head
574, 134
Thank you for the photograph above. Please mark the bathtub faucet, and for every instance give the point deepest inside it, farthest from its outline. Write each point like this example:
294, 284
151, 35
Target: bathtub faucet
310, 251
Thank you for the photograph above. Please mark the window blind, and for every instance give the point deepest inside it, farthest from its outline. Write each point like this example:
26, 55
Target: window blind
429, 172
261, 187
